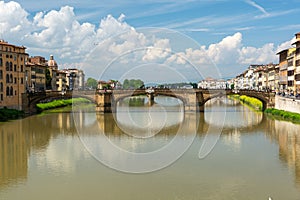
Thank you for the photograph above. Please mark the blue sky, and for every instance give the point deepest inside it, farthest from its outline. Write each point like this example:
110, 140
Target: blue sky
249, 31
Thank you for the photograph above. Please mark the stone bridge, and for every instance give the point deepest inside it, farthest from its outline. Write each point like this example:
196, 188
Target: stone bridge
30, 100
106, 100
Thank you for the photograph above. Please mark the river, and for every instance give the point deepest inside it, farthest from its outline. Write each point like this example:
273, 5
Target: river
85, 155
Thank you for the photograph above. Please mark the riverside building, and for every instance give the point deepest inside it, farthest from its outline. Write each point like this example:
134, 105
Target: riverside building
12, 75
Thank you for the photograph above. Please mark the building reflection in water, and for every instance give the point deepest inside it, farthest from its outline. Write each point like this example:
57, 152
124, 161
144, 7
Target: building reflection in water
19, 138
287, 135
13, 153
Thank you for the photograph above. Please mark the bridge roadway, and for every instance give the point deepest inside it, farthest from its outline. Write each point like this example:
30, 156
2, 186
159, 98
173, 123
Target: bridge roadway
106, 100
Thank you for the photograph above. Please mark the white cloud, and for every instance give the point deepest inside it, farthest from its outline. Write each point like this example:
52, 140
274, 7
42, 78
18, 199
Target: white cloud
260, 8
226, 51
13, 20
286, 45
160, 49
59, 32
263, 55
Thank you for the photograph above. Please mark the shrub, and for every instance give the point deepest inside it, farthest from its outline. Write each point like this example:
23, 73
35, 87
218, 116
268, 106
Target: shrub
9, 114
61, 103
291, 116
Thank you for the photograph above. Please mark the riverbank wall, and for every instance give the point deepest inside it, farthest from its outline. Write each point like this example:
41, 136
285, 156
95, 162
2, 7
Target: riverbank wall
287, 104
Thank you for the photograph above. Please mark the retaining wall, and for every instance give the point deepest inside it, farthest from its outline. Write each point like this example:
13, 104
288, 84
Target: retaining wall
287, 104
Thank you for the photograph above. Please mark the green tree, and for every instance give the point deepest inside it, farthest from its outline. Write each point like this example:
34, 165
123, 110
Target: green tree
232, 86
91, 83
126, 84
132, 83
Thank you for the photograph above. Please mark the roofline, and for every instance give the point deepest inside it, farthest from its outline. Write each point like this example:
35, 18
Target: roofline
282, 51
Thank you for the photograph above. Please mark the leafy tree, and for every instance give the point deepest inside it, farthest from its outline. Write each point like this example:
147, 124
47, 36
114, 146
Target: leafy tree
195, 85
126, 84
91, 83
132, 84
232, 86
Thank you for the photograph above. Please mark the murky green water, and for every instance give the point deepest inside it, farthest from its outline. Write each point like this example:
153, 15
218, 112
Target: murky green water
46, 157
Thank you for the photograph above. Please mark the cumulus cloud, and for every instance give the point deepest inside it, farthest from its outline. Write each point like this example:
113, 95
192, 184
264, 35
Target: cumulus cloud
263, 55
13, 20
160, 49
93, 46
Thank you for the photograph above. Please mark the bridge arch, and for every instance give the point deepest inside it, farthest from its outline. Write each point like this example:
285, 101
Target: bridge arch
265, 98
118, 97
30, 100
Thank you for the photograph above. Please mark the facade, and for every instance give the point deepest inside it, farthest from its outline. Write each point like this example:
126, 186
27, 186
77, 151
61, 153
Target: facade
283, 70
12, 74
257, 77
108, 85
297, 63
290, 70
210, 83
53, 68
74, 79
35, 74
61, 80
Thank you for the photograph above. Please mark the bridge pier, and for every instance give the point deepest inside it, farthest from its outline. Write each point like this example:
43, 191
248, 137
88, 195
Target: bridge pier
104, 102
150, 99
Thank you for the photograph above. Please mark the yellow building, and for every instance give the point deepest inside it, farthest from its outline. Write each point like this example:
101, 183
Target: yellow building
12, 74
35, 74
291, 70
61, 80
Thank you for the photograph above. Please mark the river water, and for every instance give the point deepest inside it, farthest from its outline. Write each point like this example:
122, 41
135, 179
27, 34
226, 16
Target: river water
62, 155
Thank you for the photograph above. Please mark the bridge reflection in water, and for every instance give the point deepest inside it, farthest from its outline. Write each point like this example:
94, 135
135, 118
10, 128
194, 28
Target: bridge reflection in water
21, 139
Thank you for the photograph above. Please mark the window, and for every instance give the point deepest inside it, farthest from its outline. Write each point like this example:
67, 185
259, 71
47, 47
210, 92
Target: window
1, 75
7, 91
298, 62
290, 83
11, 78
16, 92
21, 68
1, 62
10, 66
11, 92
15, 68
7, 66
291, 73
7, 78
22, 81
1, 97
15, 80
1, 87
